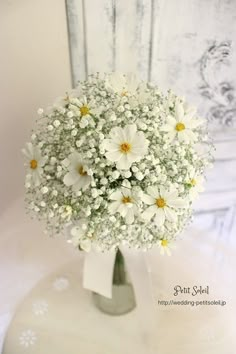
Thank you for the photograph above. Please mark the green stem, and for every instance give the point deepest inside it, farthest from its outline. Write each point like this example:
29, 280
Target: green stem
119, 276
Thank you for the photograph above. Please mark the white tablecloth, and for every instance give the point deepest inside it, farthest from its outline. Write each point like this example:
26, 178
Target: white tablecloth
57, 316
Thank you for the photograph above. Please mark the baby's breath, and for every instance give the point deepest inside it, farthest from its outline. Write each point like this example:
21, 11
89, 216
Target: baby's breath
108, 194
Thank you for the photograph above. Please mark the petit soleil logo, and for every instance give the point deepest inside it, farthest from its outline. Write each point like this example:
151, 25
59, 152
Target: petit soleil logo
195, 290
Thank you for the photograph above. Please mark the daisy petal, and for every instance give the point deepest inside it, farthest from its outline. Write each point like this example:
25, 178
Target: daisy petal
190, 112
179, 111
117, 81
85, 182
130, 132
113, 207
42, 161
191, 135
124, 162
160, 217
171, 121
74, 159
177, 203
70, 178
167, 128
36, 178
27, 154
183, 136
153, 191
194, 123
140, 141
114, 156
163, 192
117, 135
132, 82
172, 194
148, 199
171, 135
123, 210
170, 214
110, 145
117, 195
149, 212
37, 153
130, 216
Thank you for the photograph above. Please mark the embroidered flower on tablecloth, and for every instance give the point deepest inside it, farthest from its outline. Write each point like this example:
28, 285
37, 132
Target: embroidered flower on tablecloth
60, 284
40, 307
27, 338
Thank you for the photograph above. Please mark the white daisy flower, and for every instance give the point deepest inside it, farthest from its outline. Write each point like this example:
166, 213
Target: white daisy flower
182, 125
125, 146
124, 85
86, 110
141, 97
77, 177
163, 205
165, 246
35, 163
62, 101
124, 203
27, 338
195, 184
77, 234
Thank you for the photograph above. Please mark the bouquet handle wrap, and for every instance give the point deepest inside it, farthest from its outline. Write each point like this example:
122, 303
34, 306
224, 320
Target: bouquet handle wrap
98, 273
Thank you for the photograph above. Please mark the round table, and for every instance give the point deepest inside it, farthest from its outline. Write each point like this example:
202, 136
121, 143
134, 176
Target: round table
58, 317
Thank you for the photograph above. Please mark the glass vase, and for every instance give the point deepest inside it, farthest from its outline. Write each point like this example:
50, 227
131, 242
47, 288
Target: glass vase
123, 297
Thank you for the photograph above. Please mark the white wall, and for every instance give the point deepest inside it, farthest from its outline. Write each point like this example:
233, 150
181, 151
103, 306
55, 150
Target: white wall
34, 68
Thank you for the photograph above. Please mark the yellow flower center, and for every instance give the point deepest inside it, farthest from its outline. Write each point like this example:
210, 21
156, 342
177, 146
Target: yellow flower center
164, 243
124, 93
160, 202
33, 164
84, 110
179, 127
193, 182
81, 171
126, 200
125, 147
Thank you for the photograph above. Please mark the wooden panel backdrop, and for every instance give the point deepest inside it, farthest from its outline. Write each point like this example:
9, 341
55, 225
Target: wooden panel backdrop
186, 45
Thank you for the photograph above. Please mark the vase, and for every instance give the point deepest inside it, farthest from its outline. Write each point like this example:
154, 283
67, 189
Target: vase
123, 297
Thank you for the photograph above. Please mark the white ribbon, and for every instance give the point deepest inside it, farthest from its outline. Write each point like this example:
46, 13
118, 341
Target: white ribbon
98, 273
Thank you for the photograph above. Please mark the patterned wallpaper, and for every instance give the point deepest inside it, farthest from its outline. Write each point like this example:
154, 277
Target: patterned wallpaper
186, 45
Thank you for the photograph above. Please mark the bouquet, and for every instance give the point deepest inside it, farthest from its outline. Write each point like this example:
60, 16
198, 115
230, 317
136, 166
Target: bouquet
115, 162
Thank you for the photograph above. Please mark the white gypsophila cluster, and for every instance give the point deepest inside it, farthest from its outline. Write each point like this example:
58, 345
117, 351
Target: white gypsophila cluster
116, 162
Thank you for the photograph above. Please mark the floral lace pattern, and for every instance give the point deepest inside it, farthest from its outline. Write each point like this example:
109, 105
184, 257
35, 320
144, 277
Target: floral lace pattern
27, 338
40, 307
60, 284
